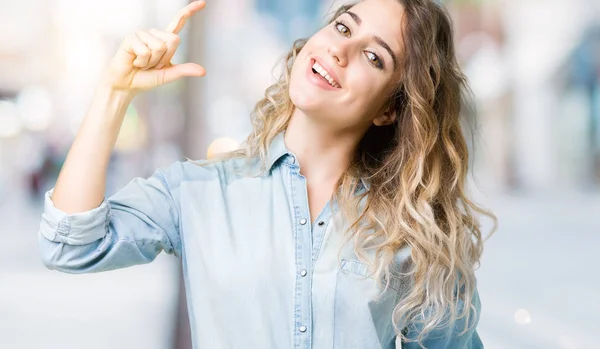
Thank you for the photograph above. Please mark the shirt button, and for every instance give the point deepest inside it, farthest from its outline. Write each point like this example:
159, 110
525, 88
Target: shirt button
303, 221
302, 328
303, 272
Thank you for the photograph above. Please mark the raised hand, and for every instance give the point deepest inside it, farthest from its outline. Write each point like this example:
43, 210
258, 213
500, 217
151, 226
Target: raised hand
143, 60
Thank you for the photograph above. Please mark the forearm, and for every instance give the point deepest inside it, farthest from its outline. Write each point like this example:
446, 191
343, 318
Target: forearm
142, 62
81, 183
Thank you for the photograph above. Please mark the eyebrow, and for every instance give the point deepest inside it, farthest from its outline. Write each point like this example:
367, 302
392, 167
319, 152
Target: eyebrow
377, 39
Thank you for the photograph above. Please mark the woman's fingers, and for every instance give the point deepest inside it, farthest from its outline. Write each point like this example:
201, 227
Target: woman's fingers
171, 42
143, 60
147, 79
178, 71
138, 51
177, 24
162, 45
157, 48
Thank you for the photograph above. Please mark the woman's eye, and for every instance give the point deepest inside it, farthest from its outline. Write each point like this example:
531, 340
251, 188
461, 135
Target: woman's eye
342, 28
374, 59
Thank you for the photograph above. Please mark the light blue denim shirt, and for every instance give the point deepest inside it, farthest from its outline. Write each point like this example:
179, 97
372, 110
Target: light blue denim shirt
258, 273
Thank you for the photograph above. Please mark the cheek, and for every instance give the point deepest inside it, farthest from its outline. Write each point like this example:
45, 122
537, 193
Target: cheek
297, 80
366, 86
302, 92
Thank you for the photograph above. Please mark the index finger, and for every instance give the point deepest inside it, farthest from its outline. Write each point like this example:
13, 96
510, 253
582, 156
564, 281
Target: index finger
177, 24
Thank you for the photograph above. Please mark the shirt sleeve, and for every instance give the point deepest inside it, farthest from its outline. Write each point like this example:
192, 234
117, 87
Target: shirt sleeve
448, 337
131, 227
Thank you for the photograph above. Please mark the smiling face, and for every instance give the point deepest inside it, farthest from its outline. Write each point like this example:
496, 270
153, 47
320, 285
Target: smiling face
346, 72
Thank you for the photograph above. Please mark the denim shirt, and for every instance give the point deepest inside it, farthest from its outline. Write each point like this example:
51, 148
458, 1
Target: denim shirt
258, 272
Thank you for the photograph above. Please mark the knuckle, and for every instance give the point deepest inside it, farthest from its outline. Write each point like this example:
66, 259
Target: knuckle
157, 33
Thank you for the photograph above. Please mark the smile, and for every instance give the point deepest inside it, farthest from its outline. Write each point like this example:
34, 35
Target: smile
317, 68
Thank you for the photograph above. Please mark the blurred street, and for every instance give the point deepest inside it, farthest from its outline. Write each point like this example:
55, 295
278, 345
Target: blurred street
534, 69
43, 309
539, 280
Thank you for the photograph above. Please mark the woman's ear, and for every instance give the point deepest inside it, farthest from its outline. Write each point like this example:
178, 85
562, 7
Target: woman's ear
387, 117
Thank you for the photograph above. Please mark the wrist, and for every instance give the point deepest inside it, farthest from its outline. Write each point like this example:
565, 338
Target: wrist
108, 105
108, 91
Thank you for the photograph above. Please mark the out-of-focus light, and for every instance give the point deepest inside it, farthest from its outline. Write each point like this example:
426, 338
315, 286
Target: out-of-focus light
522, 317
133, 133
10, 123
221, 145
85, 56
112, 17
118, 17
14, 35
35, 108
164, 154
567, 342
224, 115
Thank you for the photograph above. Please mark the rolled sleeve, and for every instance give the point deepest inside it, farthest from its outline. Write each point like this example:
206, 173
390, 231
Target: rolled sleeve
75, 229
129, 228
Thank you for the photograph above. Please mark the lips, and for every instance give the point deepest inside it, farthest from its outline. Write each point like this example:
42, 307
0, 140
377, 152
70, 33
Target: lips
323, 76
319, 69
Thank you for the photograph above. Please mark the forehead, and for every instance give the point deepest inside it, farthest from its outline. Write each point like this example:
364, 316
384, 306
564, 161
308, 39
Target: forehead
383, 18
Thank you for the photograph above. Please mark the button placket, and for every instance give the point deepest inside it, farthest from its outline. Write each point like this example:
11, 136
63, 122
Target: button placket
303, 298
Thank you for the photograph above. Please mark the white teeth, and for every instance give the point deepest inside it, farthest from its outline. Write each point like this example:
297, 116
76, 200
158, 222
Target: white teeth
325, 74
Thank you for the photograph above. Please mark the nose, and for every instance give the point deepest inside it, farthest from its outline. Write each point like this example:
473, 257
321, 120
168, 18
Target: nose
338, 52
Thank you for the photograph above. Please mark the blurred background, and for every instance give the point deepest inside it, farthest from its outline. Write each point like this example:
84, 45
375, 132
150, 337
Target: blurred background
533, 65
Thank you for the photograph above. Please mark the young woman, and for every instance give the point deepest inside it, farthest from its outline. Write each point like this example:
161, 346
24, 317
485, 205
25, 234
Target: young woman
342, 222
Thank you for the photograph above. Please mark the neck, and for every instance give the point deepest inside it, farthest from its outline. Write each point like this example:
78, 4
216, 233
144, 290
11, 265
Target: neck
322, 153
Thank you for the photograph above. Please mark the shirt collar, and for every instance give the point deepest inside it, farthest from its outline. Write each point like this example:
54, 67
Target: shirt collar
278, 150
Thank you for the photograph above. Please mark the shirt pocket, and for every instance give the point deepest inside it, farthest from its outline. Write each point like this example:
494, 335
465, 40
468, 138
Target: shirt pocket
362, 313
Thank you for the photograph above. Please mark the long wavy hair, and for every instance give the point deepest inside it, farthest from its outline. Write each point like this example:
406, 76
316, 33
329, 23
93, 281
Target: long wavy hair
416, 168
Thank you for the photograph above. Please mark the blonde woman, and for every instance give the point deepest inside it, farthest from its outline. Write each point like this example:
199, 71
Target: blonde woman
341, 223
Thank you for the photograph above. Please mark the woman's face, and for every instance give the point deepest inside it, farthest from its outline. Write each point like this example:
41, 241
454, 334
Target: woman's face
359, 52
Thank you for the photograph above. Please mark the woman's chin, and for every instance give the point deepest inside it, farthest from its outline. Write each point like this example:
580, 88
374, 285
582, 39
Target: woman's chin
310, 108
306, 101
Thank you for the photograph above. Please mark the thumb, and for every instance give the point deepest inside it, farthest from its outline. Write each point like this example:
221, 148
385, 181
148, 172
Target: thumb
177, 71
